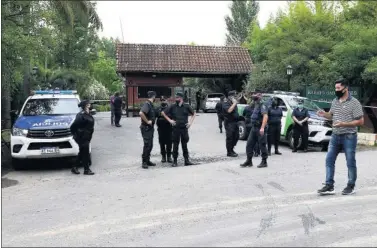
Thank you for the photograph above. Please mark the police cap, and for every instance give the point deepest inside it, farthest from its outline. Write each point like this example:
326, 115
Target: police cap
179, 94
232, 93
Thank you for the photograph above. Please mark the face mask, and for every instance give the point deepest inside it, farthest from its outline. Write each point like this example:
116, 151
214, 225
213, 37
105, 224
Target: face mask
339, 93
177, 101
300, 106
163, 104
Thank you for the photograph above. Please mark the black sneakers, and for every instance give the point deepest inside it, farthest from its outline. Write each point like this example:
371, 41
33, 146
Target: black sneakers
327, 190
348, 190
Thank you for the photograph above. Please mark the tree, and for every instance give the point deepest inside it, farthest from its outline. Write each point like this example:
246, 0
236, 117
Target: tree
243, 13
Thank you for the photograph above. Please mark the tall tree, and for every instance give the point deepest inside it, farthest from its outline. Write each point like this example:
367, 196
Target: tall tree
243, 13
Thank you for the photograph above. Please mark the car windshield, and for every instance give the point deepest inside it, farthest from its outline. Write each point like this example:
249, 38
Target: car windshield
308, 104
48, 106
215, 95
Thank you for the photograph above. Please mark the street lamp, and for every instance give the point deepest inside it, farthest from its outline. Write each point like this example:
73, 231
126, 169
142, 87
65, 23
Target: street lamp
289, 74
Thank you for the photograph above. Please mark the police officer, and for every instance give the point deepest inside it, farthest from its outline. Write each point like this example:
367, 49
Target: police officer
219, 111
259, 120
177, 114
148, 116
82, 130
117, 109
300, 116
247, 112
198, 100
230, 112
164, 129
274, 126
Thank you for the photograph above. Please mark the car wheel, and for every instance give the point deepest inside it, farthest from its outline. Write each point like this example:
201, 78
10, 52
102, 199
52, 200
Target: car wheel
17, 164
242, 130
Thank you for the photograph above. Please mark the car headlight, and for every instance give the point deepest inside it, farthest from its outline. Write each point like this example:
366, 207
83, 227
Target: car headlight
19, 132
315, 122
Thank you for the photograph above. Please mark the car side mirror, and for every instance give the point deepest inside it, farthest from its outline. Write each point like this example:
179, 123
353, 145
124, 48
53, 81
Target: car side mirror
93, 111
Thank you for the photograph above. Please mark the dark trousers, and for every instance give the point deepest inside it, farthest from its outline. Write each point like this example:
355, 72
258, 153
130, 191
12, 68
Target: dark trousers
147, 132
254, 138
165, 139
232, 135
273, 136
197, 105
84, 155
303, 132
180, 134
117, 116
220, 119
112, 116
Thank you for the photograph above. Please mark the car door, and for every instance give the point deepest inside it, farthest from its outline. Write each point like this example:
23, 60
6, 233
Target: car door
283, 106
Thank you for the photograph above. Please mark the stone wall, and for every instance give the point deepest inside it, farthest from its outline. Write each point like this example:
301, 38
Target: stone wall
369, 139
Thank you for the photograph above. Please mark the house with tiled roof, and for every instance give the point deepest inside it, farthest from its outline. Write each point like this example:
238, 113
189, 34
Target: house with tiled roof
161, 68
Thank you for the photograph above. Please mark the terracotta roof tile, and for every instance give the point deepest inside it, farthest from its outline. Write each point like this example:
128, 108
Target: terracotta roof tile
183, 58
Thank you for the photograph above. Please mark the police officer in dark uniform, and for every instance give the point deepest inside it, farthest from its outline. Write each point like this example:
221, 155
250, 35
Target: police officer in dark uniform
219, 111
117, 109
247, 112
177, 114
274, 126
82, 130
164, 129
300, 116
148, 116
259, 120
231, 117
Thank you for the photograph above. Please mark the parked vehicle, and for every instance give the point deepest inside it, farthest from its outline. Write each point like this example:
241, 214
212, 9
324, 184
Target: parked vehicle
42, 129
320, 129
210, 101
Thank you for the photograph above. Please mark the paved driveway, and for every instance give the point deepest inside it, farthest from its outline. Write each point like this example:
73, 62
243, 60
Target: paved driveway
216, 203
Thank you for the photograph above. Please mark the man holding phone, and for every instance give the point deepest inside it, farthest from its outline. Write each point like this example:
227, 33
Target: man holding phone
347, 114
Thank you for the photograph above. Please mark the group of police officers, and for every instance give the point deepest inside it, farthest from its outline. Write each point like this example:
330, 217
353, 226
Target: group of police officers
173, 123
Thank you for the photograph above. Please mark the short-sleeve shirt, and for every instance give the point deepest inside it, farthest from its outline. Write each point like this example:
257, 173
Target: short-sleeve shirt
149, 112
301, 114
179, 113
230, 117
259, 110
346, 111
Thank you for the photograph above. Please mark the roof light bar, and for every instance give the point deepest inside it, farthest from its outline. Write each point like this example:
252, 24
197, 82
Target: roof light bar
55, 92
286, 93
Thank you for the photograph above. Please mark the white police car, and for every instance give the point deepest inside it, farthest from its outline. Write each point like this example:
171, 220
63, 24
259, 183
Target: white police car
42, 129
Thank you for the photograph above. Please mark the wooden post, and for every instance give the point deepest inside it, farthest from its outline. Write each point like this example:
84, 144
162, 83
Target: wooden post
127, 97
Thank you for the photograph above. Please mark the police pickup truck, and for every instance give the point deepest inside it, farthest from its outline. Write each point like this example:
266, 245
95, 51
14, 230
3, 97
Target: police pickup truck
320, 129
42, 129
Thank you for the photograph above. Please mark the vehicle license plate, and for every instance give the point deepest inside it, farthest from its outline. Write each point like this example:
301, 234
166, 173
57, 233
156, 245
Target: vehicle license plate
49, 150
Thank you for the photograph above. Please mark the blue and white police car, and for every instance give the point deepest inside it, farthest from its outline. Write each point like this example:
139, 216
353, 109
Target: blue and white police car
42, 129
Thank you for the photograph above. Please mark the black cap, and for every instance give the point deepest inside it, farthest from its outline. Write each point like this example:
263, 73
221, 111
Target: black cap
151, 94
179, 94
83, 103
232, 93
300, 101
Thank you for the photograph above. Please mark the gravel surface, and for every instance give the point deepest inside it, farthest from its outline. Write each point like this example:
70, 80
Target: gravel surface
214, 203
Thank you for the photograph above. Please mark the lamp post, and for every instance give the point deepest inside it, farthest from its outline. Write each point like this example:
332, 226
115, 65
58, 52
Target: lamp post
289, 74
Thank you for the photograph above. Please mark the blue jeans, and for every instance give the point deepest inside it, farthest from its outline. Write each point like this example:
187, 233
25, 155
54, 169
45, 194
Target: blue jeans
348, 142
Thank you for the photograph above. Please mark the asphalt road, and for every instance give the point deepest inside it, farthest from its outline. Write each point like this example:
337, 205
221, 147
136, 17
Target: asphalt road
215, 203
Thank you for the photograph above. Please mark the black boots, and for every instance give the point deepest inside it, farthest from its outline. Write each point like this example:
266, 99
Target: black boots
263, 164
277, 152
144, 165
247, 163
74, 170
169, 158
221, 130
232, 154
174, 164
188, 162
87, 171
163, 160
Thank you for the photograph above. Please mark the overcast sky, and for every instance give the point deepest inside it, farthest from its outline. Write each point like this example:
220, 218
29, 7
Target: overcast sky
172, 22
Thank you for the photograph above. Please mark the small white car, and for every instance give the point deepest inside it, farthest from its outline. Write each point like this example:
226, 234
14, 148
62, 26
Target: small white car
210, 101
42, 129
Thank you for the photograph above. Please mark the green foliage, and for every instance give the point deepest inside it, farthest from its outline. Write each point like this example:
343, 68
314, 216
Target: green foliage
323, 41
242, 14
